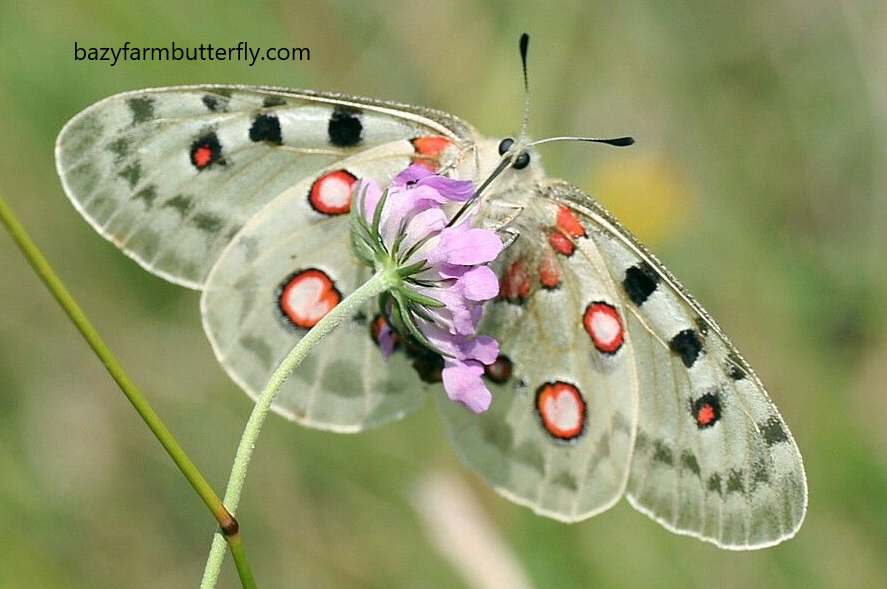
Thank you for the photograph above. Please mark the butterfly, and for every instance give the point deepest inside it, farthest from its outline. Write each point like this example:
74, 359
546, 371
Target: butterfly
612, 380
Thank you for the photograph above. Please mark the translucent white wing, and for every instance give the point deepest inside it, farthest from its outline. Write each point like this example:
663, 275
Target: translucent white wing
560, 432
170, 175
713, 457
280, 274
174, 176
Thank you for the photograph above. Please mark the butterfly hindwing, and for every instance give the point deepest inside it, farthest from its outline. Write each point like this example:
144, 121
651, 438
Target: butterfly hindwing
713, 457
171, 174
288, 266
559, 434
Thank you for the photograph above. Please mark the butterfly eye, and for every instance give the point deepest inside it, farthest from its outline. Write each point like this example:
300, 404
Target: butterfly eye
522, 161
505, 145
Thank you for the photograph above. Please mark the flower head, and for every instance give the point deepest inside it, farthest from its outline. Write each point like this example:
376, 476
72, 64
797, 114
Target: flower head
442, 263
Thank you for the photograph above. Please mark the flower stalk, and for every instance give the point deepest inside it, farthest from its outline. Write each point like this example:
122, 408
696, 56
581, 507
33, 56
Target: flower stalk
229, 528
381, 282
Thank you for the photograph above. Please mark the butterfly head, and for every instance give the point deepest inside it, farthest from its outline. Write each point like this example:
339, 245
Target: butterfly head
506, 163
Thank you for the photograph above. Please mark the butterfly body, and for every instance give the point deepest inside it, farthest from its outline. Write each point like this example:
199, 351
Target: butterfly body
612, 380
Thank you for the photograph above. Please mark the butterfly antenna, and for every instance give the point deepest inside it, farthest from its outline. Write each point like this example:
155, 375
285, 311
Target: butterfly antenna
521, 143
524, 45
614, 141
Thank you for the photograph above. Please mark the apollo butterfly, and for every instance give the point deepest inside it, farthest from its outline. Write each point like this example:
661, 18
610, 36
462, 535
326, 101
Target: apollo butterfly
611, 378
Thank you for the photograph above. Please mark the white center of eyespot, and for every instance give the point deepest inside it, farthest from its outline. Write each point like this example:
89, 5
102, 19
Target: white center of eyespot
605, 327
563, 411
306, 298
335, 191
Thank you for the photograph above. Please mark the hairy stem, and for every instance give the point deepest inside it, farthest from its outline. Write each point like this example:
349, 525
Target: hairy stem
379, 283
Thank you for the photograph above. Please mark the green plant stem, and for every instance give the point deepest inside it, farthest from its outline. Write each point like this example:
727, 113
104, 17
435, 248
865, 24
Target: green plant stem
379, 283
227, 523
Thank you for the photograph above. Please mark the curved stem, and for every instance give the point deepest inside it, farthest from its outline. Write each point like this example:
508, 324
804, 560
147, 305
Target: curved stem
379, 283
55, 285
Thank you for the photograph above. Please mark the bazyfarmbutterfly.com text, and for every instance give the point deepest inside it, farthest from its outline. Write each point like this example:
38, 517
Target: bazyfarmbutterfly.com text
205, 52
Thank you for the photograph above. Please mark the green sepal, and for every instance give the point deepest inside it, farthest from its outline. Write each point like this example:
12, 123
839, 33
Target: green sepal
398, 241
414, 268
407, 320
420, 298
377, 216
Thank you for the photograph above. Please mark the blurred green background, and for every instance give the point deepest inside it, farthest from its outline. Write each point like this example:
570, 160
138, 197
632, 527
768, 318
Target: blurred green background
759, 176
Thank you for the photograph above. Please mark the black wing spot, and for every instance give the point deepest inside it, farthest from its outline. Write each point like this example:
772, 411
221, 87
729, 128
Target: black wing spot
714, 484
706, 410
345, 128
266, 128
208, 222
760, 474
205, 151
272, 101
734, 367
181, 203
773, 432
734, 482
640, 282
131, 173
215, 102
689, 462
687, 345
142, 109
146, 194
662, 453
120, 148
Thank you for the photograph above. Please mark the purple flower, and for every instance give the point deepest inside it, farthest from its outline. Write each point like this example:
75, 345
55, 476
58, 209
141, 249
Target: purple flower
413, 227
418, 175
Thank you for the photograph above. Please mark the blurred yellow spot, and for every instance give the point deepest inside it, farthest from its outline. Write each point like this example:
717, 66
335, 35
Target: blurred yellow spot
648, 194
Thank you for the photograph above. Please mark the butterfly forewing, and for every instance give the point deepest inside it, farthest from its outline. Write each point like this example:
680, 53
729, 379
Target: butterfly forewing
560, 432
197, 162
713, 457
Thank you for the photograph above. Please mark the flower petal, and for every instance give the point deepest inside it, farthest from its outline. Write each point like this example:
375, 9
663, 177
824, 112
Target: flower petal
424, 224
386, 340
440, 338
465, 246
482, 348
458, 190
463, 316
479, 284
402, 205
413, 173
463, 383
